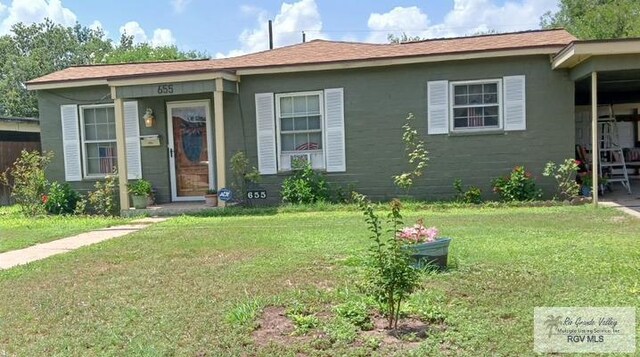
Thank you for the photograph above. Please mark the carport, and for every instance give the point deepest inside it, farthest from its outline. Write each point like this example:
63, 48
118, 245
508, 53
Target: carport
607, 84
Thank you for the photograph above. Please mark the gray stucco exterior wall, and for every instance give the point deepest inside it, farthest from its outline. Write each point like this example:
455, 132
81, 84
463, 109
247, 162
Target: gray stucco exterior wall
376, 103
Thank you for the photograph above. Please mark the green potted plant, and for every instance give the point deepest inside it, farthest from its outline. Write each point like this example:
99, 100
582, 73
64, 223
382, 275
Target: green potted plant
211, 197
140, 190
424, 245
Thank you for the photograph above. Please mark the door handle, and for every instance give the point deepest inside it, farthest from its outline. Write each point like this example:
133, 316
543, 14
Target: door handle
170, 152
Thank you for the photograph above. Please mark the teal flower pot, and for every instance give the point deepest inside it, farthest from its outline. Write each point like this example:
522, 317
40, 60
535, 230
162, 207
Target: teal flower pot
433, 254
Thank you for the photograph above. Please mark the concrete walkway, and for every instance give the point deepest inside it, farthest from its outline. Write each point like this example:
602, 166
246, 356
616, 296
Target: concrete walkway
40, 251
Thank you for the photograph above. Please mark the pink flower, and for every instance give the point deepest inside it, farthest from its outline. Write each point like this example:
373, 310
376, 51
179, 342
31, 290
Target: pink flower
418, 233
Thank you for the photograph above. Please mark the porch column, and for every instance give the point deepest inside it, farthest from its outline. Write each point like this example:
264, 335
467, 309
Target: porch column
595, 145
121, 148
218, 108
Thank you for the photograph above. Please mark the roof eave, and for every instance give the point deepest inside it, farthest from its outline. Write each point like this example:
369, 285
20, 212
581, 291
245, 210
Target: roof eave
390, 61
579, 51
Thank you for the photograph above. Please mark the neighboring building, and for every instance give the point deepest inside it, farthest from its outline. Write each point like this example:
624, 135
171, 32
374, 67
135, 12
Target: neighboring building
16, 134
483, 105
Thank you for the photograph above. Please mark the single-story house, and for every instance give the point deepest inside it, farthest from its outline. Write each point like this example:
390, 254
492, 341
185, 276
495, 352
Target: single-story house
483, 104
16, 134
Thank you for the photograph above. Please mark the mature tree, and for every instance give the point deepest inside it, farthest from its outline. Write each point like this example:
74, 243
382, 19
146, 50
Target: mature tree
31, 51
596, 19
128, 52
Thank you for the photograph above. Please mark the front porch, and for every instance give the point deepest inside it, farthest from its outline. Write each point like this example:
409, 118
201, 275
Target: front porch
181, 144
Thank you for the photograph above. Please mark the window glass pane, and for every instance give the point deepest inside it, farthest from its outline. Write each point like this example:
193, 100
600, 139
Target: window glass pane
100, 115
461, 100
286, 106
490, 98
460, 112
460, 90
491, 121
491, 88
301, 141
475, 117
313, 104
314, 122
101, 158
300, 123
299, 105
287, 142
287, 124
475, 99
475, 89
315, 141
491, 111
460, 123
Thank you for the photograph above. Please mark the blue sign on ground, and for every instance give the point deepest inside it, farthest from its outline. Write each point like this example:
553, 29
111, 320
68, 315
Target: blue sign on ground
225, 194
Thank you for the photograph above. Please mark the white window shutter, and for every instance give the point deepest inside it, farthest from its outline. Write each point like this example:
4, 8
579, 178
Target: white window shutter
334, 130
71, 143
132, 140
266, 134
438, 107
515, 112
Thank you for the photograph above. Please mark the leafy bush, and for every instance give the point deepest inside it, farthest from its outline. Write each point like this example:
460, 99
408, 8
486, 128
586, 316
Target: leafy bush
472, 195
29, 185
417, 155
390, 276
140, 187
519, 185
565, 176
62, 199
305, 186
103, 199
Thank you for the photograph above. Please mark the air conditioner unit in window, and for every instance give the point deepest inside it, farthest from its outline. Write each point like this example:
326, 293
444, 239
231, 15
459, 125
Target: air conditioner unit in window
298, 161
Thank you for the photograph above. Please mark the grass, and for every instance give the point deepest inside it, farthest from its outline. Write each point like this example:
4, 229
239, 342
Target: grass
196, 285
17, 231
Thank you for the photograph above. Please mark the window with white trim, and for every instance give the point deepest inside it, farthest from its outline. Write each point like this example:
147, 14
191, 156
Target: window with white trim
98, 135
299, 121
476, 105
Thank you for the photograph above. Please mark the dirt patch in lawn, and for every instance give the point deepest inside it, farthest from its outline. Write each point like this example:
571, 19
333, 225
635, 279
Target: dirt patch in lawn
409, 334
274, 327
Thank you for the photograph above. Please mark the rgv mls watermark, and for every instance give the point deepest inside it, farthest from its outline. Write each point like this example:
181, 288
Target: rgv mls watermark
584, 329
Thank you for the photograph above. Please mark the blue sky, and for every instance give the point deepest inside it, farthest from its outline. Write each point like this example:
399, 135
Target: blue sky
223, 28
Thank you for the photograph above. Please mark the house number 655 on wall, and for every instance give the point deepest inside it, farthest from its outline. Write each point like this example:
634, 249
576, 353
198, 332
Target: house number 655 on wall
165, 89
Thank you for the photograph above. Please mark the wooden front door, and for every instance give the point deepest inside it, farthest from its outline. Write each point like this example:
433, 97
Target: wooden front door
189, 127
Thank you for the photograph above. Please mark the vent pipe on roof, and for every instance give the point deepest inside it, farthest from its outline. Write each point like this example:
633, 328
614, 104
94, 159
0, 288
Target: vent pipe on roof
270, 35
304, 37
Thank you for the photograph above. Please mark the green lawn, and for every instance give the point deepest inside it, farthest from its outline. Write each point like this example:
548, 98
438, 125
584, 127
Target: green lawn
17, 231
194, 286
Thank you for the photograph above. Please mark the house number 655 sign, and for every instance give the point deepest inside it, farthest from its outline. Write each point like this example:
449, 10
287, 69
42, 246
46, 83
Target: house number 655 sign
165, 89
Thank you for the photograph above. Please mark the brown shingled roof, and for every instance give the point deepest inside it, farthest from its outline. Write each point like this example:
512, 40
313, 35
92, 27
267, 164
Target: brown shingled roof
320, 52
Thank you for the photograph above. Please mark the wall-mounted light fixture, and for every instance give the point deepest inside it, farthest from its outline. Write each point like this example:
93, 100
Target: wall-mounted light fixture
149, 119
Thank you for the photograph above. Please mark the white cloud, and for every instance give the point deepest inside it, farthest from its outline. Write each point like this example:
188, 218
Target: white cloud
288, 25
466, 17
179, 5
161, 37
409, 20
31, 11
133, 28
